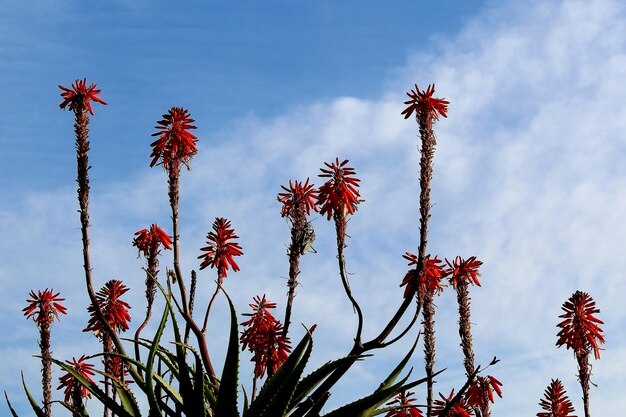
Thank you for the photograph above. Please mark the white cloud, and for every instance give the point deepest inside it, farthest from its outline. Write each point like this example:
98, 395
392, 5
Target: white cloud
528, 176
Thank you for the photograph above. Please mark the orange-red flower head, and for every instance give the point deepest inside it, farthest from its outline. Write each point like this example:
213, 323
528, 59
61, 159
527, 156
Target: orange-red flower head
481, 391
339, 195
176, 144
44, 307
460, 409
404, 399
580, 330
433, 272
423, 103
556, 403
149, 241
298, 199
464, 269
263, 336
71, 384
80, 95
115, 310
220, 249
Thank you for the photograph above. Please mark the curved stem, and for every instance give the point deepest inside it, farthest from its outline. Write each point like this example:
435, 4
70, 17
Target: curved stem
340, 227
208, 309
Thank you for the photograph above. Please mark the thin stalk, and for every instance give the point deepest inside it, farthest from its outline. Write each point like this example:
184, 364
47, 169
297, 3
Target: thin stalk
584, 376
429, 345
340, 227
46, 367
295, 253
151, 274
208, 308
192, 300
465, 326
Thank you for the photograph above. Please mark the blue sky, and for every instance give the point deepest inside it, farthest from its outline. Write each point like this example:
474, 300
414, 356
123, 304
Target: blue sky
529, 170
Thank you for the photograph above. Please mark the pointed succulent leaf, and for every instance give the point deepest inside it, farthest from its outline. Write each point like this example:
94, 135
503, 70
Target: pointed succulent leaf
227, 396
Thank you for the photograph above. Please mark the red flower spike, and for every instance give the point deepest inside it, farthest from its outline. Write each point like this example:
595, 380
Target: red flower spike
556, 402
264, 337
403, 399
298, 197
433, 272
482, 389
460, 409
44, 307
423, 102
340, 194
115, 310
175, 142
70, 383
148, 241
580, 330
80, 95
464, 269
220, 249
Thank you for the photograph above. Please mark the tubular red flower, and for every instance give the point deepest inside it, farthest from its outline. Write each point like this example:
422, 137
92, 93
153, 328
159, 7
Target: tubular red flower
263, 336
115, 310
298, 197
460, 409
556, 402
175, 142
220, 250
44, 307
71, 383
80, 95
403, 399
433, 272
580, 330
422, 102
482, 390
340, 194
464, 269
149, 241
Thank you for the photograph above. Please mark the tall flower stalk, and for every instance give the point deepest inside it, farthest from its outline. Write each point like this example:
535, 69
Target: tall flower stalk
116, 316
149, 242
427, 110
339, 197
220, 254
298, 200
580, 331
43, 308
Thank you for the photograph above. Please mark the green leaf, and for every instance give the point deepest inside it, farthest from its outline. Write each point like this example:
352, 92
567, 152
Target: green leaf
152, 399
309, 382
398, 369
81, 412
9, 404
127, 399
33, 403
274, 384
227, 396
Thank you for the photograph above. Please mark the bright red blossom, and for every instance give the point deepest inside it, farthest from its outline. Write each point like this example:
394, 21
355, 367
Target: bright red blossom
175, 143
422, 102
340, 194
264, 337
460, 409
433, 272
482, 390
298, 197
44, 307
148, 241
220, 250
71, 384
115, 310
579, 329
556, 402
404, 399
80, 95
464, 269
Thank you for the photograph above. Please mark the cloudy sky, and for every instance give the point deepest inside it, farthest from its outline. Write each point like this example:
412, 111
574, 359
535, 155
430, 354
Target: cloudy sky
529, 173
